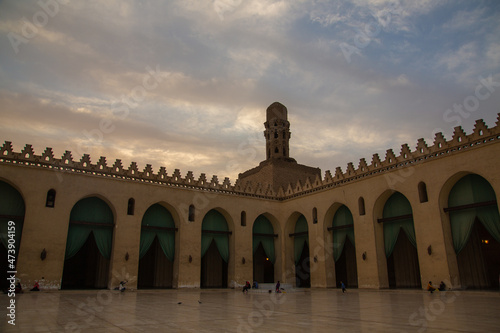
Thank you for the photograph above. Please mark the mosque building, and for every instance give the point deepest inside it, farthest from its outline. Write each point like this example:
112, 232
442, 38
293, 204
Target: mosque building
399, 221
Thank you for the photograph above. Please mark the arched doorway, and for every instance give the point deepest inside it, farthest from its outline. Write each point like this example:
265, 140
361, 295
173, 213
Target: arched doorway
157, 248
475, 227
88, 246
400, 243
11, 227
214, 251
301, 253
344, 251
263, 250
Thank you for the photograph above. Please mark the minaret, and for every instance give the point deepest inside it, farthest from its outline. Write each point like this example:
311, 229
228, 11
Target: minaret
277, 132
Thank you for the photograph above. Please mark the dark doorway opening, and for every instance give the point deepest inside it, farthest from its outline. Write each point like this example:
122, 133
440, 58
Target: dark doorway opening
213, 269
303, 269
87, 269
479, 260
345, 268
263, 268
402, 265
155, 270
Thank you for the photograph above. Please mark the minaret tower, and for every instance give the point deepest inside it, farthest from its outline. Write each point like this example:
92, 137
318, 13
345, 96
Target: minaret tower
277, 132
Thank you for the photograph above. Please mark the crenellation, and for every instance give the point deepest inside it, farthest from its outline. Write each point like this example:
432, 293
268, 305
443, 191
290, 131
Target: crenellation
189, 178
259, 190
270, 191
422, 147
298, 187
390, 158
248, 188
226, 184
176, 176
148, 172
439, 142
317, 181
6, 149
28, 153
281, 192
350, 170
85, 161
307, 184
328, 177
66, 159
102, 164
162, 174
480, 129
339, 174
376, 163
362, 166
459, 136
289, 190
132, 170
405, 152
117, 167
214, 182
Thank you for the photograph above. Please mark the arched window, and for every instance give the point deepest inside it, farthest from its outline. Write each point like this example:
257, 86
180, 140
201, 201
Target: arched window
243, 218
276, 150
361, 206
315, 215
51, 198
275, 134
191, 213
284, 152
422, 192
131, 206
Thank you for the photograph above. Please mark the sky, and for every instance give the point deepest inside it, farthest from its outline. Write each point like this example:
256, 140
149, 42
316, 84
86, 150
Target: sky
185, 84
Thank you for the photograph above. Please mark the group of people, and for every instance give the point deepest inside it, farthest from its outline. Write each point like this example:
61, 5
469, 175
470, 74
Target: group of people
431, 288
255, 285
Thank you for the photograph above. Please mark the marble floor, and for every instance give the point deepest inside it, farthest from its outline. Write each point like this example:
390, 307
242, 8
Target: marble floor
229, 310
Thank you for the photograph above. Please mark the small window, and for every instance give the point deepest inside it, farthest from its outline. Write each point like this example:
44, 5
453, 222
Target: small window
315, 215
51, 198
276, 150
275, 134
191, 213
361, 206
422, 192
131, 206
243, 218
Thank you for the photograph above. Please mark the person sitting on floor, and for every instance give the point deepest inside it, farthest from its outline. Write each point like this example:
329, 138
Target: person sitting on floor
246, 287
36, 287
442, 286
430, 287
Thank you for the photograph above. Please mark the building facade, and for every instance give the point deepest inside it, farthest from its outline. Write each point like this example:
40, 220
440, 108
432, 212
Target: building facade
425, 214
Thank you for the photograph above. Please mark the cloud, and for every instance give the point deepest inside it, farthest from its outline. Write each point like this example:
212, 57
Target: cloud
219, 64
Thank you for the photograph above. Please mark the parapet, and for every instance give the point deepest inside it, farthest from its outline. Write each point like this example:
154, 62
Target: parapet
460, 142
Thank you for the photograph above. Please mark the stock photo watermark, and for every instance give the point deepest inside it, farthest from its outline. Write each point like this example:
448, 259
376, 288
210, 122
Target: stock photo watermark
431, 311
11, 272
31, 28
471, 103
222, 7
369, 32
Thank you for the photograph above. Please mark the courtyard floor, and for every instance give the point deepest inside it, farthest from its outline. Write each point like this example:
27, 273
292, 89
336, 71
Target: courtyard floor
229, 310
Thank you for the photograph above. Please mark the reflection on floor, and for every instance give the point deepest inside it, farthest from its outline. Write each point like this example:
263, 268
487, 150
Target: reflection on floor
229, 310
